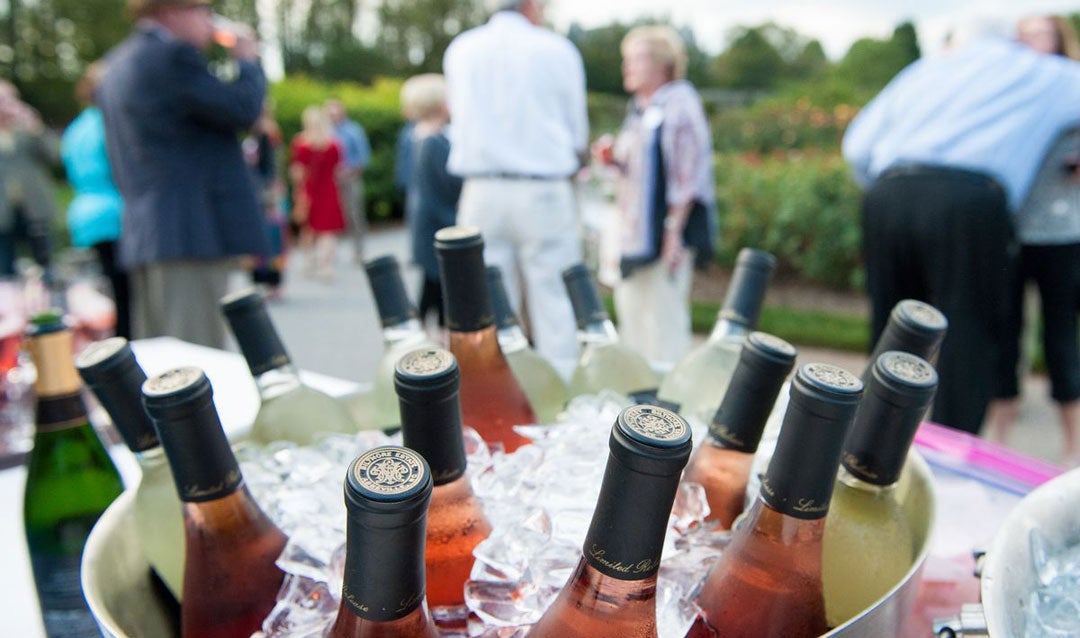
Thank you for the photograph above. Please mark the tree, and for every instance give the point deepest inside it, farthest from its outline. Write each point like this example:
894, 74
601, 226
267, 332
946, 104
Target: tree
870, 63
54, 41
413, 34
751, 62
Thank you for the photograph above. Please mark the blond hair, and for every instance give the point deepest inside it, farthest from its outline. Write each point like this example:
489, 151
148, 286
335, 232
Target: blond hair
317, 127
423, 96
665, 47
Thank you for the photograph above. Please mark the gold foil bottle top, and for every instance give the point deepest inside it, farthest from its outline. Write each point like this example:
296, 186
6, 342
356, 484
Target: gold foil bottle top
52, 350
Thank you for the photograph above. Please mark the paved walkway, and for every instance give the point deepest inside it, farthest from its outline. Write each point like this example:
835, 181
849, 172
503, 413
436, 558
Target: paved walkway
333, 328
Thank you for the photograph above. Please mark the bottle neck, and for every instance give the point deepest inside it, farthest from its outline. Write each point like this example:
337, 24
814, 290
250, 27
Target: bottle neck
384, 567
277, 381
229, 513
598, 333
850, 480
410, 329
433, 428
627, 532
612, 595
764, 521
151, 458
728, 330
512, 339
61, 412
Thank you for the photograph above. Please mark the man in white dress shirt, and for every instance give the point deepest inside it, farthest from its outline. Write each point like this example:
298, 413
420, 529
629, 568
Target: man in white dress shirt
516, 93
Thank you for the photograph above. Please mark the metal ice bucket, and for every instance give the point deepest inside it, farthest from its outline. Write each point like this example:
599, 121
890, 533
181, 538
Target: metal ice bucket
116, 577
1008, 574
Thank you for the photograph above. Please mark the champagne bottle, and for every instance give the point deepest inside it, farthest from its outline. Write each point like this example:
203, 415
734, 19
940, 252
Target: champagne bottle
605, 362
387, 491
289, 410
427, 384
721, 464
612, 593
767, 583
402, 333
110, 370
231, 579
70, 480
915, 327
869, 540
492, 401
698, 382
542, 384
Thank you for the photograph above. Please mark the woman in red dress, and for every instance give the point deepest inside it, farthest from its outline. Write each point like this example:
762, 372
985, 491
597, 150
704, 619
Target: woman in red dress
316, 158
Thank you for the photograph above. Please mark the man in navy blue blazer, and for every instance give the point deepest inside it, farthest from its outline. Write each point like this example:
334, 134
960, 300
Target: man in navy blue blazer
172, 132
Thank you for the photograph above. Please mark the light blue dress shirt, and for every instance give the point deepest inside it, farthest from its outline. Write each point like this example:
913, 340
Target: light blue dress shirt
993, 106
354, 142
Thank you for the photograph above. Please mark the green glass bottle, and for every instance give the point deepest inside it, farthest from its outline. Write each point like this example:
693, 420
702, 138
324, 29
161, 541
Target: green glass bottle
70, 481
605, 362
542, 384
869, 540
289, 409
697, 384
111, 372
402, 333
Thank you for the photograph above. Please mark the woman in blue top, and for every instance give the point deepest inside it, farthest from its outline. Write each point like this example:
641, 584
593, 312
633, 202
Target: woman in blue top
93, 217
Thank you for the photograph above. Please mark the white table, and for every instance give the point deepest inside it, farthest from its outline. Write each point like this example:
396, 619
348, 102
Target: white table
237, 402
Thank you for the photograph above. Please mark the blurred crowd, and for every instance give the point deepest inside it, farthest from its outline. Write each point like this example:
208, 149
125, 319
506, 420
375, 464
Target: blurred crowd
969, 160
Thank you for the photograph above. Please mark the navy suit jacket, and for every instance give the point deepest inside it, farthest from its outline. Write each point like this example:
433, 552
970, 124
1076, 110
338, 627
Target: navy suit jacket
171, 131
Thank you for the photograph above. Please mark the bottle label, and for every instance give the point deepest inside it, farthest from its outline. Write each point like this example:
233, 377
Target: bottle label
61, 413
63, 607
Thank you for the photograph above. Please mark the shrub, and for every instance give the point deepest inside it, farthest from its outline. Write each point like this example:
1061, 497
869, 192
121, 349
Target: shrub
376, 108
802, 207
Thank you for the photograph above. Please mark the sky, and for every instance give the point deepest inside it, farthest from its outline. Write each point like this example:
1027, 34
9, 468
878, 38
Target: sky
836, 23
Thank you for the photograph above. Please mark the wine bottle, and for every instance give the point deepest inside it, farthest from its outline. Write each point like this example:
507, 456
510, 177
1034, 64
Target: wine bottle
605, 362
70, 480
542, 384
767, 583
387, 491
402, 333
915, 327
492, 400
869, 540
721, 464
698, 382
427, 384
289, 410
612, 593
231, 579
110, 370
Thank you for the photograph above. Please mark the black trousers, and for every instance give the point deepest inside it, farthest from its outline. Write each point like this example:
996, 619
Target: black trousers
118, 279
1055, 269
944, 236
431, 299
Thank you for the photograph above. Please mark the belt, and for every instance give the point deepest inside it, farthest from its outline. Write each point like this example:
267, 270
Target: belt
518, 176
937, 170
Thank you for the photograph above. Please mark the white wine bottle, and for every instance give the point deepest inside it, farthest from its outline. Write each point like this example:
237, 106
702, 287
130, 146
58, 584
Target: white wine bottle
915, 327
698, 383
289, 409
605, 362
110, 370
869, 540
402, 333
542, 384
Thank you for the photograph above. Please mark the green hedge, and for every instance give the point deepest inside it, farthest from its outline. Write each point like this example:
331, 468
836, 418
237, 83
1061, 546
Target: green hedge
376, 108
802, 207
